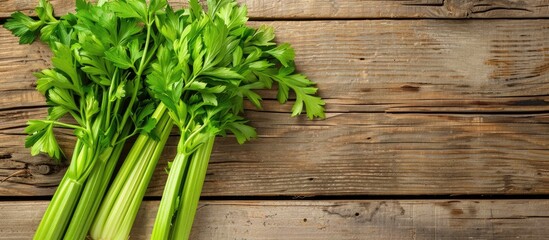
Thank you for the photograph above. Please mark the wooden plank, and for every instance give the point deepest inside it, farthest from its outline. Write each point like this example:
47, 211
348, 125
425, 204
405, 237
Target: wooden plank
348, 154
416, 107
380, 66
342, 219
355, 9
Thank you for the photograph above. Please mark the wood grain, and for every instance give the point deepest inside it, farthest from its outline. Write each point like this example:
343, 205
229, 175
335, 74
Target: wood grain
351, 154
415, 107
354, 9
418, 104
380, 65
342, 219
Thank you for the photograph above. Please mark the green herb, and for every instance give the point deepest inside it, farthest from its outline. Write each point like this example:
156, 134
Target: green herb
97, 77
199, 65
208, 63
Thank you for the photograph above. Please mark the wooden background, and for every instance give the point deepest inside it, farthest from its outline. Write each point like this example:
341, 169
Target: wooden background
437, 128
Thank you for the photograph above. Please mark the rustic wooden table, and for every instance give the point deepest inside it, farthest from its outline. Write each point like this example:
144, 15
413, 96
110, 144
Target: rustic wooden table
437, 128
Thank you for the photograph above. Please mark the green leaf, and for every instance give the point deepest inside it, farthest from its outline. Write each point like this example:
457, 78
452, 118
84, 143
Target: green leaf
237, 56
95, 69
49, 78
222, 73
254, 98
129, 30
198, 64
156, 5
209, 99
63, 98
314, 106
85, 5
135, 52
254, 54
56, 112
181, 113
182, 50
34, 126
129, 9
197, 86
145, 112
53, 33
284, 53
241, 131
168, 167
260, 65
119, 57
215, 89
225, 13
64, 61
213, 37
283, 92
92, 105
304, 94
91, 46
265, 78
297, 108
149, 125
300, 80
119, 93
43, 83
263, 36
42, 139
45, 10
233, 16
23, 27
195, 9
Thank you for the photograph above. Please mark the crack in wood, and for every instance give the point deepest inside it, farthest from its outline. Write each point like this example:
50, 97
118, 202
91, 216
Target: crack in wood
18, 173
472, 112
369, 215
502, 218
530, 102
427, 4
500, 8
23, 107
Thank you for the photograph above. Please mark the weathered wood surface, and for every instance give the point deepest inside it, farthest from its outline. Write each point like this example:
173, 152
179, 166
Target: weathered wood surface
355, 9
406, 219
379, 66
357, 153
415, 107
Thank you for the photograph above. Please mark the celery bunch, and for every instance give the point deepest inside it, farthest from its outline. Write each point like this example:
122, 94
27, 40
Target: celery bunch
126, 67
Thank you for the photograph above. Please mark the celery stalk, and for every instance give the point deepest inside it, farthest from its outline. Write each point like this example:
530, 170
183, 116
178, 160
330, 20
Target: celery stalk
121, 204
168, 205
94, 190
58, 213
192, 189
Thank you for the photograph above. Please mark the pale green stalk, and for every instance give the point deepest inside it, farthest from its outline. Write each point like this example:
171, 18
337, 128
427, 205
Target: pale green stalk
119, 208
102, 215
63, 202
94, 190
168, 204
59, 211
123, 232
191, 190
